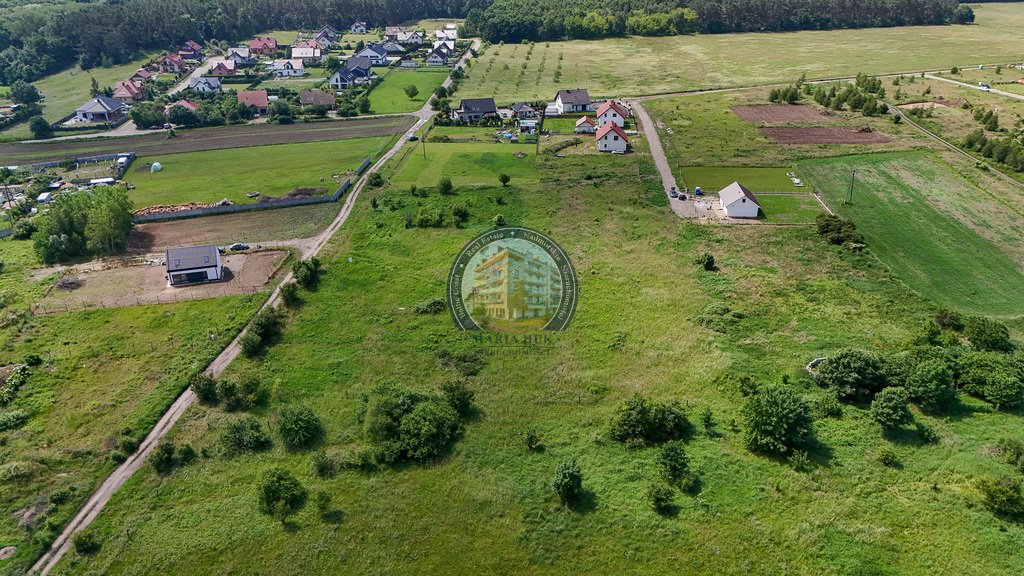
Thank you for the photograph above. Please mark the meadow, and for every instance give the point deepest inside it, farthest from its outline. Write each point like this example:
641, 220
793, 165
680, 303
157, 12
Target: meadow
713, 179
106, 377
232, 173
486, 506
906, 207
389, 96
789, 208
680, 63
466, 164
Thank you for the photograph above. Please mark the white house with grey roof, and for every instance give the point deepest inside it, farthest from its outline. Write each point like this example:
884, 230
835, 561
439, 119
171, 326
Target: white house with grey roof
193, 265
738, 202
100, 109
475, 109
575, 100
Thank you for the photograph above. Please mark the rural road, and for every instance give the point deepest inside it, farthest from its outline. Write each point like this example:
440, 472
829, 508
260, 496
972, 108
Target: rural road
98, 500
683, 208
975, 87
199, 71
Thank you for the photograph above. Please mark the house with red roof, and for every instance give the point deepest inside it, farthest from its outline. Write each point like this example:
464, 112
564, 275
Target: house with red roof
127, 91
191, 50
183, 103
611, 111
171, 63
141, 75
264, 46
585, 126
256, 100
611, 138
222, 68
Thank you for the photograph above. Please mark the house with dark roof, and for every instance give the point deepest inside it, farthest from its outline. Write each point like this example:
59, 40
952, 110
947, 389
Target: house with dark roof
738, 202
357, 28
574, 100
193, 265
101, 109
523, 110
611, 111
393, 48
329, 32
191, 50
437, 57
314, 97
375, 53
475, 109
392, 32
344, 78
611, 138
263, 45
170, 63
256, 100
359, 65
204, 84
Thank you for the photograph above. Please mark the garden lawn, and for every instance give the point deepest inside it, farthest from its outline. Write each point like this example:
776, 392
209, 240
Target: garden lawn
789, 208
467, 164
21, 285
928, 225
389, 96
232, 173
106, 377
486, 507
755, 179
679, 63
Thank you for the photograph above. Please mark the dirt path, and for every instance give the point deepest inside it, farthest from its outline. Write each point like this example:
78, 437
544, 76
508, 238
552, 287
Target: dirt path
683, 208
974, 87
122, 473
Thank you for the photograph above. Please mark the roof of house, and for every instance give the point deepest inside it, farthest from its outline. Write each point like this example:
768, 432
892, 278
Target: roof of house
344, 74
192, 257
577, 96
584, 120
209, 82
126, 88
257, 98
240, 50
377, 49
734, 192
611, 127
142, 73
228, 65
392, 30
192, 45
612, 105
263, 43
521, 107
359, 23
329, 29
310, 96
183, 103
403, 35
305, 52
308, 43
478, 106
101, 104
280, 64
357, 63
440, 53
393, 47
173, 58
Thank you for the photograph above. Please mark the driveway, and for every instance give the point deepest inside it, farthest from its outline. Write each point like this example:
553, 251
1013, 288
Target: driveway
683, 208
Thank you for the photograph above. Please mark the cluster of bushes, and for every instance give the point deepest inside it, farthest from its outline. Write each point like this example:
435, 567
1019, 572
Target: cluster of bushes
244, 393
864, 94
787, 95
307, 272
15, 380
987, 118
407, 425
778, 420
1007, 150
640, 420
264, 329
166, 456
80, 225
12, 419
839, 231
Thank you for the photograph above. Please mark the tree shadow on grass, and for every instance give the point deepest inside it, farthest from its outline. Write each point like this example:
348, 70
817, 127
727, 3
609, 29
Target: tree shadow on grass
904, 436
585, 503
333, 516
960, 410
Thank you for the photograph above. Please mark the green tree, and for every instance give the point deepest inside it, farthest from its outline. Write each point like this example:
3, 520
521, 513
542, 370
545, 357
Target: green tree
182, 116
987, 334
94, 87
281, 494
568, 482
40, 128
891, 408
363, 104
852, 374
930, 384
162, 457
61, 233
517, 300
24, 93
504, 179
445, 186
331, 64
411, 91
299, 427
778, 420
147, 115
1002, 495
109, 220
429, 429
674, 463
640, 418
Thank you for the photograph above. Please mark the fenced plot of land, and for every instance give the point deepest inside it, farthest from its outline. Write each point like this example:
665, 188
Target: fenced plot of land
713, 179
273, 171
824, 135
779, 113
789, 208
389, 96
139, 284
467, 164
250, 227
904, 204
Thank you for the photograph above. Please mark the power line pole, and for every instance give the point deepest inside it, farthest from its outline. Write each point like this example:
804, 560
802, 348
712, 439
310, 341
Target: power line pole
849, 195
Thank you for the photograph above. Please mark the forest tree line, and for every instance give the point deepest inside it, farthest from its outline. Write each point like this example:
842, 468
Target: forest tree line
39, 40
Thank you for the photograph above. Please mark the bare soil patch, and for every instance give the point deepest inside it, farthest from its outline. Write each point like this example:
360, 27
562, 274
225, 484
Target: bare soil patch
824, 135
244, 273
7, 552
777, 113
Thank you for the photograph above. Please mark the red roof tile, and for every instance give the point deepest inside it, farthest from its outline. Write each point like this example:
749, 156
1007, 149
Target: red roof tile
611, 127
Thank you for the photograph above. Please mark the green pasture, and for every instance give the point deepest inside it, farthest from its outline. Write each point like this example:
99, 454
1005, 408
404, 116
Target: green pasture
466, 164
713, 179
232, 173
789, 208
389, 96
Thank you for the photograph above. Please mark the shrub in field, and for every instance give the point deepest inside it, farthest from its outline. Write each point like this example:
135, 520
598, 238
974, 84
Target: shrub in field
828, 407
459, 396
467, 363
889, 458
307, 272
324, 466
661, 497
498, 220
186, 454
15, 380
375, 180
1012, 451
852, 374
891, 408
299, 427
1001, 495
251, 344
281, 494
991, 376
12, 419
707, 262
675, 466
567, 482
244, 394
244, 435
987, 334
930, 384
204, 387
926, 433
838, 230
408, 425
649, 420
778, 420
428, 430
86, 543
162, 457
290, 294
435, 306
445, 186
532, 440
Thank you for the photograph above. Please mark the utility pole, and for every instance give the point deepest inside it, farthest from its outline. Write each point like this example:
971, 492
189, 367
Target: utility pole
849, 195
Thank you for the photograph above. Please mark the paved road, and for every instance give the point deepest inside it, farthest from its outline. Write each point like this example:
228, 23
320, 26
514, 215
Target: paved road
975, 87
122, 473
684, 208
199, 71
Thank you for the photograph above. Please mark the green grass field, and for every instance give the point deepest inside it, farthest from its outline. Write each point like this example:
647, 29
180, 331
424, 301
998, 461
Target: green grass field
467, 165
789, 208
103, 372
389, 96
672, 64
486, 507
713, 179
900, 205
271, 170
67, 90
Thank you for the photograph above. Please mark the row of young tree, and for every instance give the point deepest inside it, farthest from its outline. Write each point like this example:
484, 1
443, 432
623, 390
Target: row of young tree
510, 21
40, 41
81, 224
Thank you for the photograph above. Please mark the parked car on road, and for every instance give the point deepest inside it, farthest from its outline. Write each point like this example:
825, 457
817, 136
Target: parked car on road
238, 246
673, 192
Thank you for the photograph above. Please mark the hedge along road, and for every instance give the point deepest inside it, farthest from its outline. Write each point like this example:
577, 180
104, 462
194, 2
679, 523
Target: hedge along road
200, 139
95, 504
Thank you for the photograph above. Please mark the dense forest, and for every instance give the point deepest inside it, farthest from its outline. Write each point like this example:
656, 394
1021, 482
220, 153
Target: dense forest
42, 38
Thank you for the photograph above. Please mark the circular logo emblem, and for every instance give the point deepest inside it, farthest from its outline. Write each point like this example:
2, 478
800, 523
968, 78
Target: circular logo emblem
512, 280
